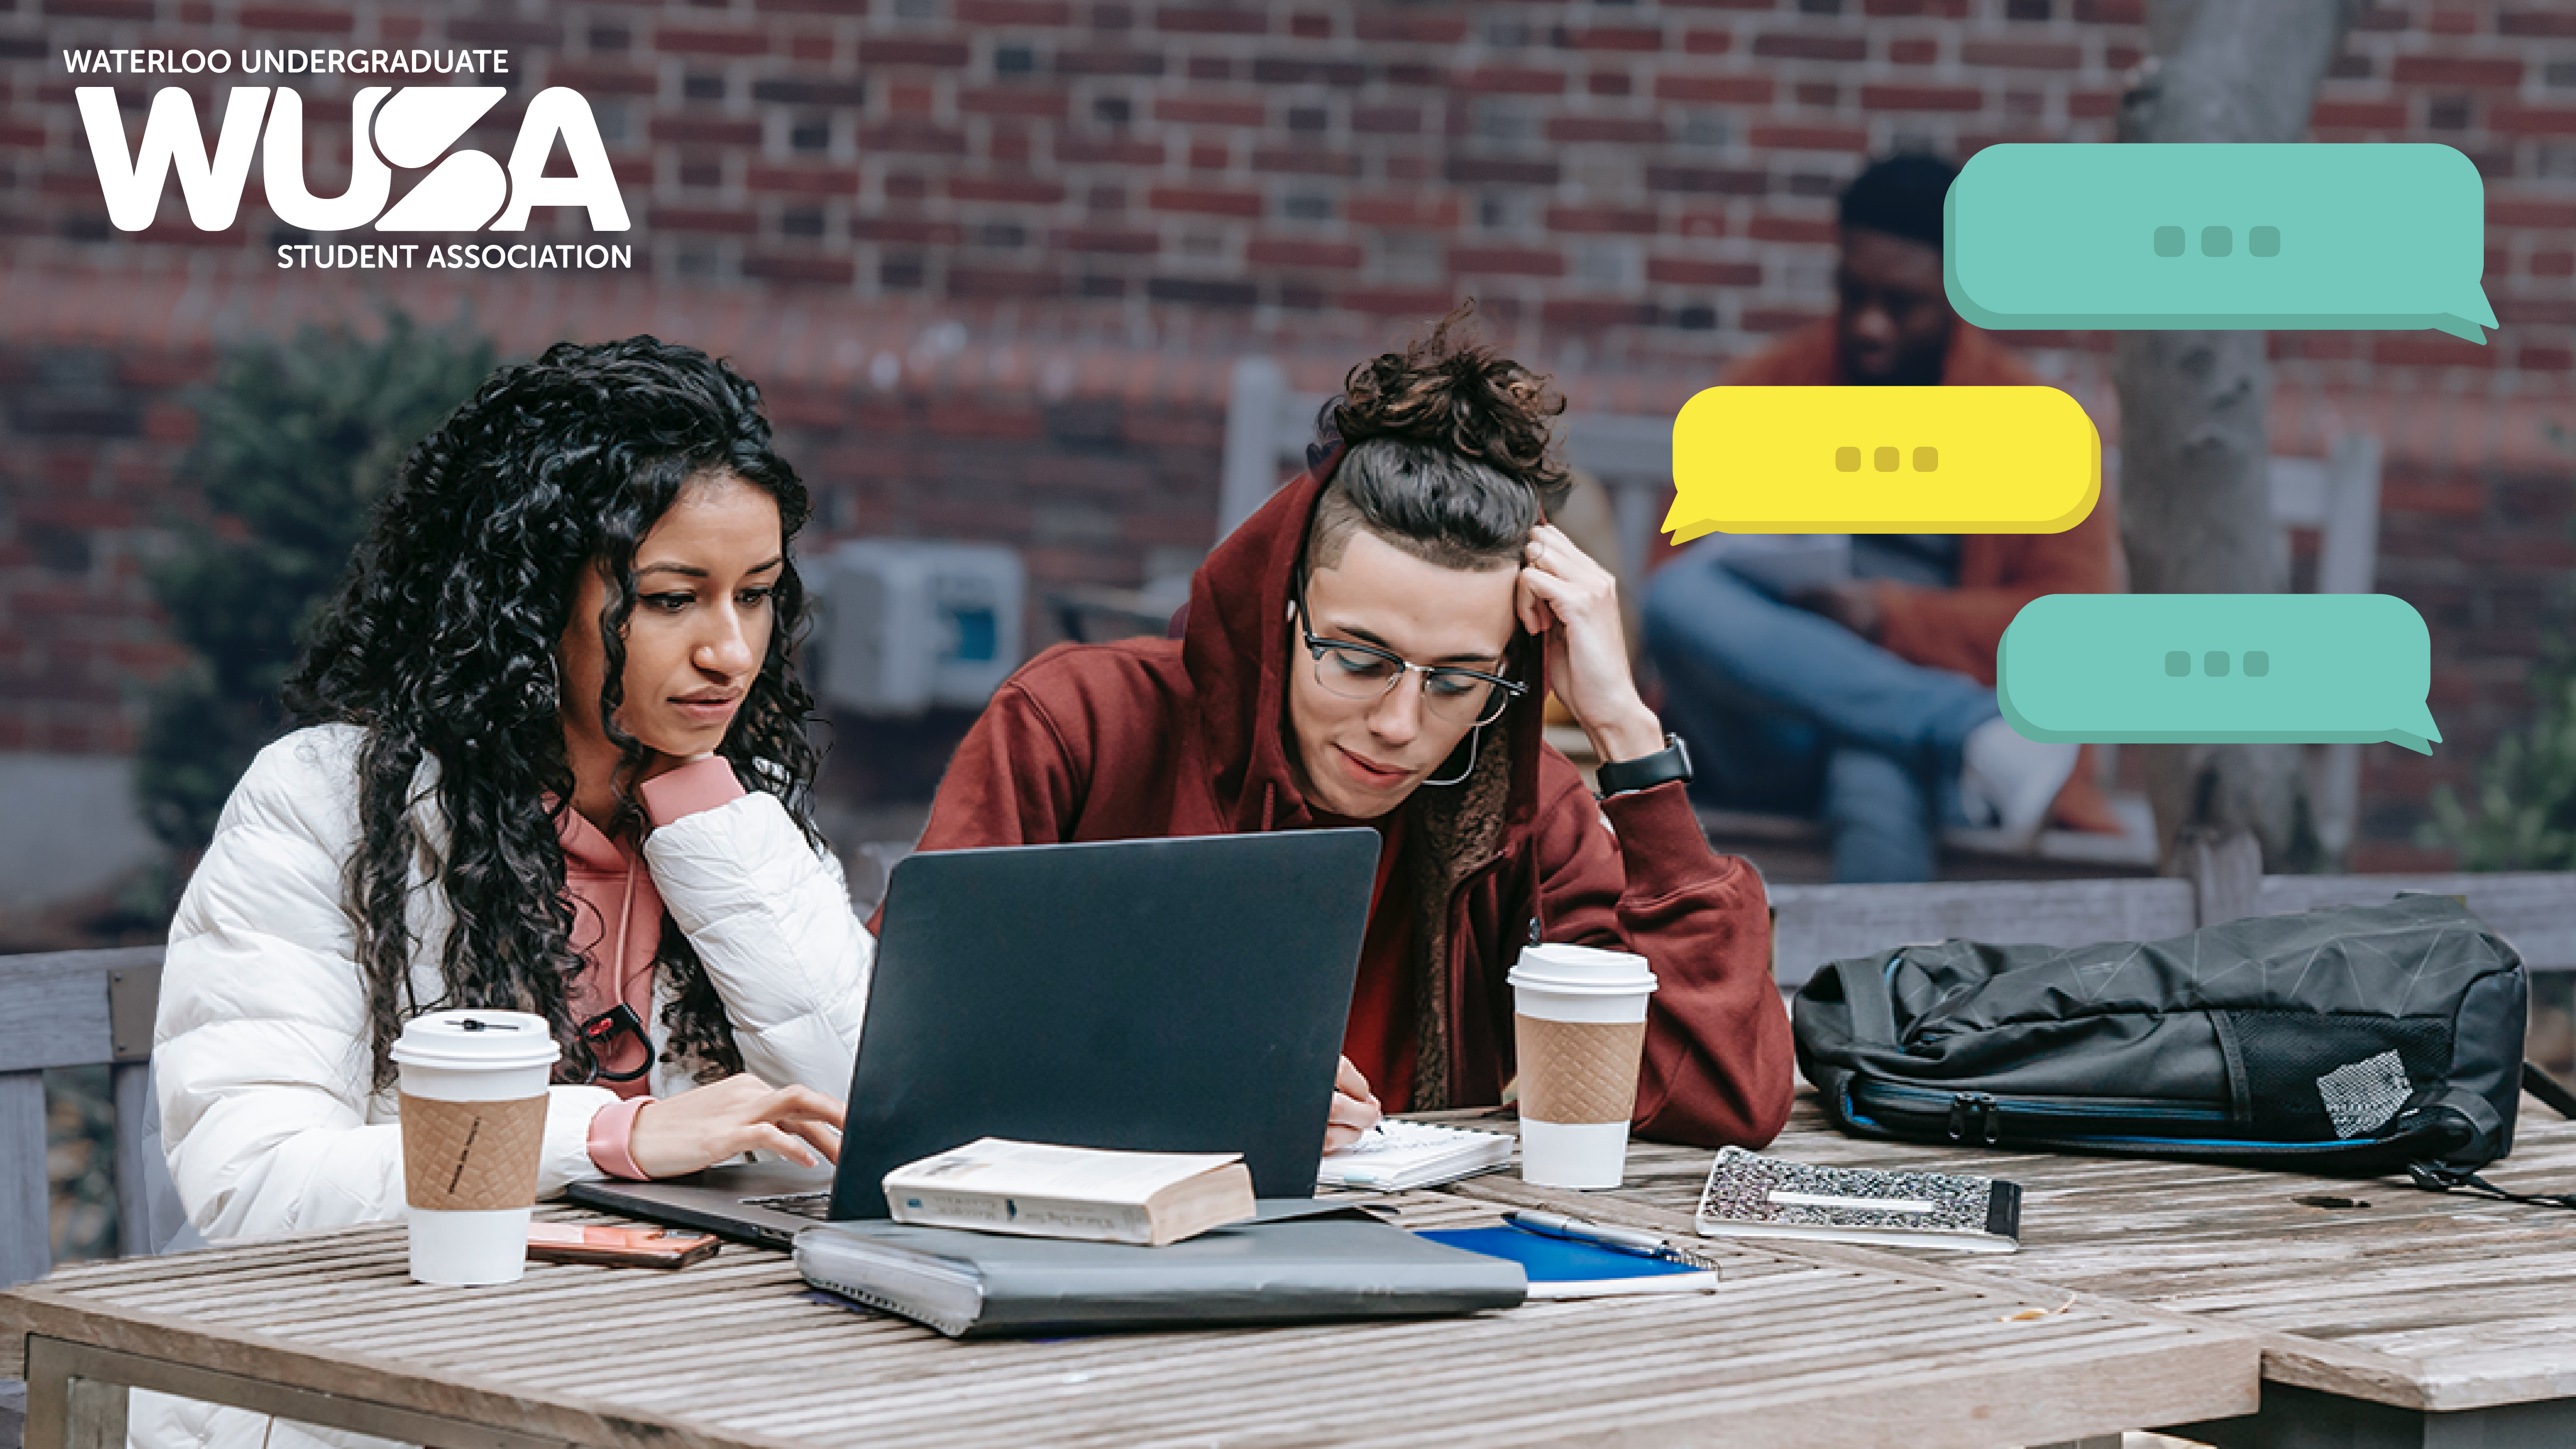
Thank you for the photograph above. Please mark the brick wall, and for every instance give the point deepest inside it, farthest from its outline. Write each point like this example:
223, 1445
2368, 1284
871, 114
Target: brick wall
992, 256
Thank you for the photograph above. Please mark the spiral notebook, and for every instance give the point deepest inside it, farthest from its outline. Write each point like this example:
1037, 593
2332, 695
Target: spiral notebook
1753, 1196
1399, 1156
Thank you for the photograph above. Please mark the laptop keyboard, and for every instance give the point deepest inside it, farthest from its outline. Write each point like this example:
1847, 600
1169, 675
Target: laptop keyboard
815, 1205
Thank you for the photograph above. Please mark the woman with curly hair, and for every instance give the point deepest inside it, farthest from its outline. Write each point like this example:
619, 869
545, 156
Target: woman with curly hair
553, 761
1372, 647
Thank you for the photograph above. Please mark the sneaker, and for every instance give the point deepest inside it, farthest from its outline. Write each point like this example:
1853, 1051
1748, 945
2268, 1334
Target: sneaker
2006, 782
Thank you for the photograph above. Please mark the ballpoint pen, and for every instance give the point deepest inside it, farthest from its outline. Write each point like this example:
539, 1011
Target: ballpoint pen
1600, 1235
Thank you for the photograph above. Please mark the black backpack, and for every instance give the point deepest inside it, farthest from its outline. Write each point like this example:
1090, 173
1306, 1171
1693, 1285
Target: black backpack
2351, 1039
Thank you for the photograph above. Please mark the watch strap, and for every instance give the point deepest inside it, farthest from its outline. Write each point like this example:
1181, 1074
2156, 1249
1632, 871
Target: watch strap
1620, 777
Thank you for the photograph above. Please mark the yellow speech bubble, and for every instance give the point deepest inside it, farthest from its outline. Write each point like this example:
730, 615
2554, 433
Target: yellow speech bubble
1882, 460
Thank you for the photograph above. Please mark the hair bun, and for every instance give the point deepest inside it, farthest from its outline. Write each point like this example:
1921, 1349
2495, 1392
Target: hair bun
1452, 390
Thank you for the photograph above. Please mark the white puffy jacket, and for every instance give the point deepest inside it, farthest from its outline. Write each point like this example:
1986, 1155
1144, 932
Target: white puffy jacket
261, 1054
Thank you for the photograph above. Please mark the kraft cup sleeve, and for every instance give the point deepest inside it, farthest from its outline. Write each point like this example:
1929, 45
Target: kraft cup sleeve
471, 1156
1578, 1072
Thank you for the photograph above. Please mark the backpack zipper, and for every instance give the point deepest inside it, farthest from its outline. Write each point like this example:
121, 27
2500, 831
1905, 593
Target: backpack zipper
1962, 1113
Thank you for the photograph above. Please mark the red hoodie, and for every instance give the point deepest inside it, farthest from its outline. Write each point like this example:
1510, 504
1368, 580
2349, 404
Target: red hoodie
1156, 737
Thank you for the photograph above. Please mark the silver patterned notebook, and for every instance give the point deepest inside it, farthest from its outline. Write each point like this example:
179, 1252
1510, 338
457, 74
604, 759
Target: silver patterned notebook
1753, 1196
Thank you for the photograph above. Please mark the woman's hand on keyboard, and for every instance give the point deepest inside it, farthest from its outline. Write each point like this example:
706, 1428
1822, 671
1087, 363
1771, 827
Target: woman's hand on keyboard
675, 1136
1355, 1108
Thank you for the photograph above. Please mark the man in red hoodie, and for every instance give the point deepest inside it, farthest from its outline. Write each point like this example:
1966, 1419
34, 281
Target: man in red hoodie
1372, 647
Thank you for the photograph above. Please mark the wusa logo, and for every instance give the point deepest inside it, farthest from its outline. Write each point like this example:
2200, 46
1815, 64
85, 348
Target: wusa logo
411, 127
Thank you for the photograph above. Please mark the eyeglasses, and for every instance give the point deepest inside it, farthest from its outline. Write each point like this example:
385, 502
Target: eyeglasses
1354, 670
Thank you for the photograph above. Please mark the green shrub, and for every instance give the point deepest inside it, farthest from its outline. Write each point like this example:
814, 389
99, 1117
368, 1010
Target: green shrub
294, 442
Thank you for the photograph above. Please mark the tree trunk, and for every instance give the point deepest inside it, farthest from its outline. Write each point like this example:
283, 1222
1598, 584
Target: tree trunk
2195, 494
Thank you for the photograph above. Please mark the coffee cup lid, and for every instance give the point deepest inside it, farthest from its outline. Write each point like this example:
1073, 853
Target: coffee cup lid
1581, 970
469, 1039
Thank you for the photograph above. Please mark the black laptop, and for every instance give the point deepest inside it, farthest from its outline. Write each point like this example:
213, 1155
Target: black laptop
1179, 995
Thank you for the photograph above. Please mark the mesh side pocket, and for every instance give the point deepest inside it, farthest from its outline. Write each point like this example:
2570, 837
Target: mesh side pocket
2320, 1078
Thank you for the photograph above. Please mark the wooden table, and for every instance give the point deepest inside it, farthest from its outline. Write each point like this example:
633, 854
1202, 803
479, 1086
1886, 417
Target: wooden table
2390, 1318
1792, 1351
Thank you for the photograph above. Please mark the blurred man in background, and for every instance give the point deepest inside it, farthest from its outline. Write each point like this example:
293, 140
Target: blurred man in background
1866, 698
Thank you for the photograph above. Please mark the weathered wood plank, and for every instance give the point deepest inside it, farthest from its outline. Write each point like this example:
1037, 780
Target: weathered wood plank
2536, 910
1812, 925
53, 1006
26, 1217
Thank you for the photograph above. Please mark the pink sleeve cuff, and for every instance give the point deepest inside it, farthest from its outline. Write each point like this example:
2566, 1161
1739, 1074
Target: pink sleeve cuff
612, 1130
703, 785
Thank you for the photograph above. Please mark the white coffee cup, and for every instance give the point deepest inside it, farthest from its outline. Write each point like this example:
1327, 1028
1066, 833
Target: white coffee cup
474, 1120
1579, 1019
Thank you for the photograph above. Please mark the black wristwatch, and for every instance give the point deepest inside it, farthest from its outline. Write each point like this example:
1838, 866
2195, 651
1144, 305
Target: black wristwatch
1618, 777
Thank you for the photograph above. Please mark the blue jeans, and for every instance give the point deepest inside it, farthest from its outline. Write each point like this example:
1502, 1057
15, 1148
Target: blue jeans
1787, 711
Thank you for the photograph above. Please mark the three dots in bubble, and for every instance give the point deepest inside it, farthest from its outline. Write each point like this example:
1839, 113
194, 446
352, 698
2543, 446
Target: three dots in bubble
1885, 460
2218, 241
2215, 663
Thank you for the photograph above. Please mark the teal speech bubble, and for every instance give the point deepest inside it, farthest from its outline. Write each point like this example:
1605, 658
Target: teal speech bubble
2192, 667
2228, 237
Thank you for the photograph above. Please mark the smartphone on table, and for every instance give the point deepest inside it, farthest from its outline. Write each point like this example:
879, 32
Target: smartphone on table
618, 1246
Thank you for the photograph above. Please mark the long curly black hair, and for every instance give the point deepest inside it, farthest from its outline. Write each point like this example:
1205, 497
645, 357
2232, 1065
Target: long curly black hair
442, 643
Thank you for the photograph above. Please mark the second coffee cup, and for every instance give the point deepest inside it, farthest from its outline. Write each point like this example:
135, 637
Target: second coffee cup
1579, 1019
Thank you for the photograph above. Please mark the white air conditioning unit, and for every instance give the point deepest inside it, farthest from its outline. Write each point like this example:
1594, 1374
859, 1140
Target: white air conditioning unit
909, 624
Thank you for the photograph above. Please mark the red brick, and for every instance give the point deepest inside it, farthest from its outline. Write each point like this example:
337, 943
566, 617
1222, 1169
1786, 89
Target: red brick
1015, 12
2560, 24
2552, 264
2111, 12
1918, 51
1506, 261
2359, 115
1707, 42
278, 17
1511, 170
1116, 243
1691, 272
2451, 22
803, 270
1201, 201
1635, 38
1209, 20
1077, 150
476, 30
2458, 499
1012, 101
706, 131
1811, 47
678, 41
1617, 130
1009, 145
1031, 190
1426, 29
2545, 359
1603, 220
1304, 162
101, 9
906, 50
1209, 111
907, 230
1404, 210
1386, 120
1285, 70
1749, 90
1609, 83
1211, 156
2455, 70
1808, 138
2412, 350
2534, 311
2092, 105
2502, 212
1594, 314
2022, 54
2531, 120
802, 180
1287, 252
1393, 301
1724, 181
1510, 80
913, 98
1921, 98
1108, 62
1792, 229
1776, 319
1002, 282
915, 137
602, 80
